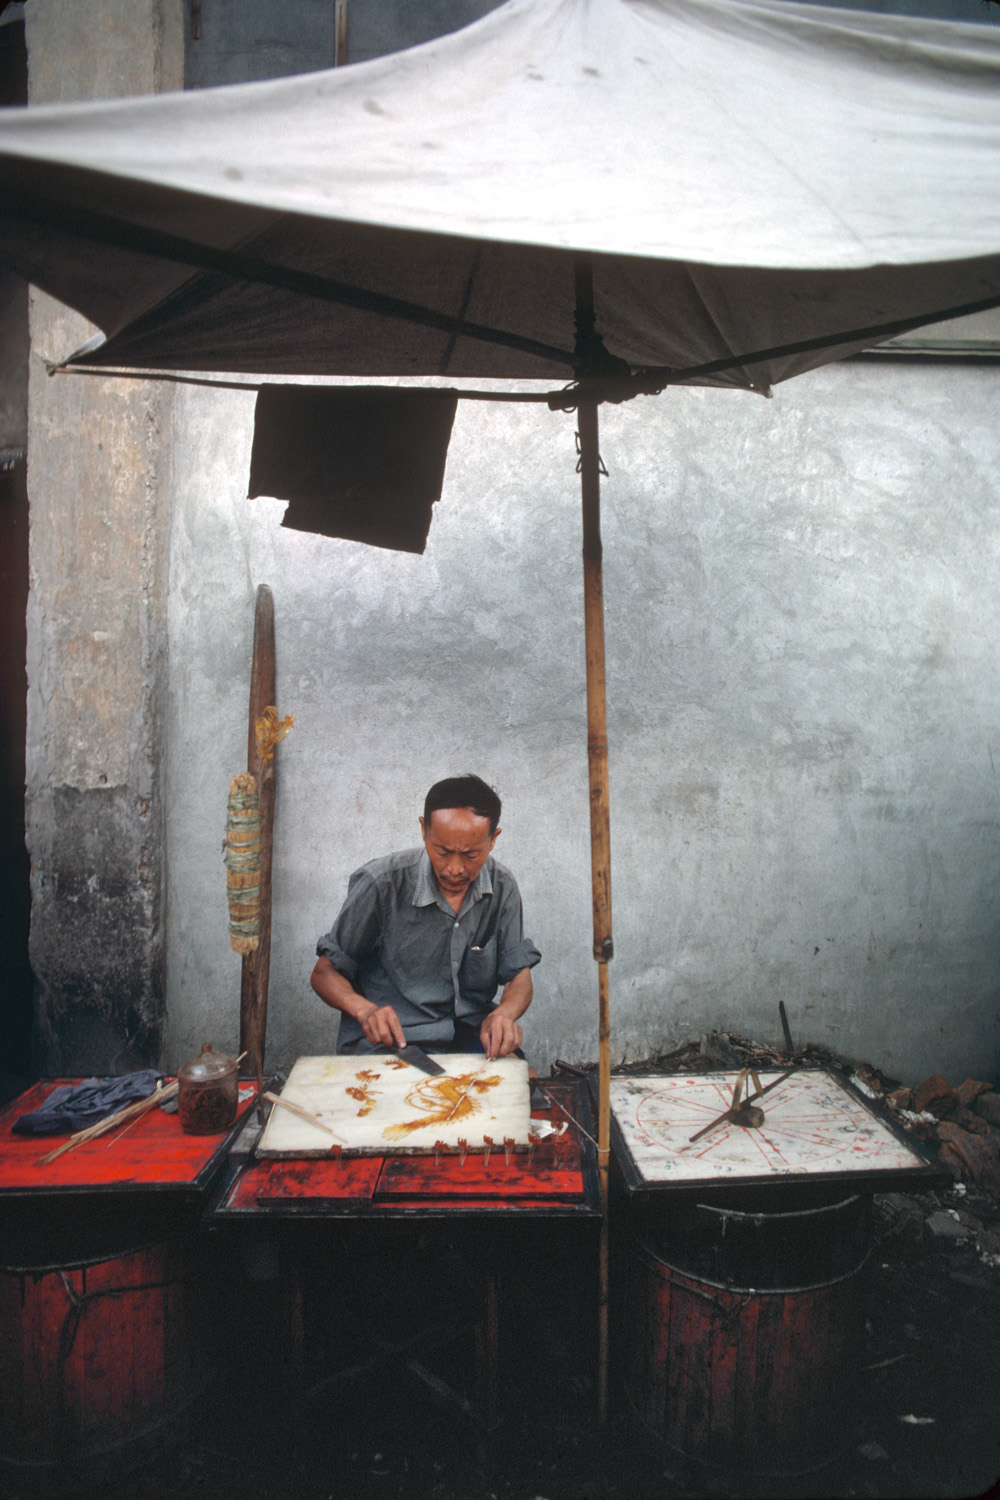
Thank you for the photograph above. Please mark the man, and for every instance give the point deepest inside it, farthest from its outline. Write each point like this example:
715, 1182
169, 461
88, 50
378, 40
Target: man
427, 936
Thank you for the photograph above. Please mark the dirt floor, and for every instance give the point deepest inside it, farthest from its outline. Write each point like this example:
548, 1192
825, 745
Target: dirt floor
925, 1424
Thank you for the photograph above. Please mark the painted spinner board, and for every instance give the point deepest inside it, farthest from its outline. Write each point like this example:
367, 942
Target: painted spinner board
815, 1127
382, 1104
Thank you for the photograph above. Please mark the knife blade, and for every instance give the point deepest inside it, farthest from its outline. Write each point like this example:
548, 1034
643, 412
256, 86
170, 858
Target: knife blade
418, 1058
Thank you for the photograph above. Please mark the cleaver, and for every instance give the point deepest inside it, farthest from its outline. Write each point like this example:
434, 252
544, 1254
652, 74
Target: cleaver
419, 1059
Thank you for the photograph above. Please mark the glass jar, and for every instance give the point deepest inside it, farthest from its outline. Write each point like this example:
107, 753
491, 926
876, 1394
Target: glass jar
207, 1093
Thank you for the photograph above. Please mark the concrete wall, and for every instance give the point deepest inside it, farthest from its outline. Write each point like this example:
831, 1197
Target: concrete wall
802, 623
98, 486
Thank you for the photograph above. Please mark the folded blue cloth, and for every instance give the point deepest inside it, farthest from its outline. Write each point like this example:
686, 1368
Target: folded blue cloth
74, 1106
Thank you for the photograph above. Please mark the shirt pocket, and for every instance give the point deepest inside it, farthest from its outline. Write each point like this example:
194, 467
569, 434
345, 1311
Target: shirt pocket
478, 971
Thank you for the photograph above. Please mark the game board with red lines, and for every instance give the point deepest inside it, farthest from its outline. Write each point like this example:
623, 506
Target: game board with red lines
814, 1125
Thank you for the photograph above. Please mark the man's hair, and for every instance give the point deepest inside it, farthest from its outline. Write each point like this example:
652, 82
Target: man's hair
463, 791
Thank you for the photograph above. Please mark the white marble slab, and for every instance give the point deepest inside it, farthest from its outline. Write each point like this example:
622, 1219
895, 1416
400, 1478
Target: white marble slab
381, 1104
811, 1125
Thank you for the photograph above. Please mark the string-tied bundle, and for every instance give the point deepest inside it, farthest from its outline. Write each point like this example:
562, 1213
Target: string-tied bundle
243, 863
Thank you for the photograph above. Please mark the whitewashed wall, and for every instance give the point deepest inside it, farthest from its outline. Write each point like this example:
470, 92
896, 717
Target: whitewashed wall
802, 621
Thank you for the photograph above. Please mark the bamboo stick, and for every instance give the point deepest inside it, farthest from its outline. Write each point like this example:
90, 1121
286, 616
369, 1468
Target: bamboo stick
303, 1114
588, 350
128, 1112
600, 838
471, 1085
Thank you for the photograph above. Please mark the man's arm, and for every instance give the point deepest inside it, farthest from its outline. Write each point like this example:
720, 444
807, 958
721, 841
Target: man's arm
500, 1033
379, 1023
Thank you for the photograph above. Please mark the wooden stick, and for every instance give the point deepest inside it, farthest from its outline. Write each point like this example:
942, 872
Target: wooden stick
130, 1111
257, 965
463, 1096
124, 1131
600, 797
572, 1118
340, 24
303, 1114
721, 1119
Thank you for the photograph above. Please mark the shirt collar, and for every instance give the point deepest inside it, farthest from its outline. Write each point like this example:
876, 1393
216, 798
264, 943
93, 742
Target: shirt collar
427, 892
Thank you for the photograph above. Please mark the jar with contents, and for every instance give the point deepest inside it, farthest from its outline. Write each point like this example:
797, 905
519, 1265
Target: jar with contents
207, 1091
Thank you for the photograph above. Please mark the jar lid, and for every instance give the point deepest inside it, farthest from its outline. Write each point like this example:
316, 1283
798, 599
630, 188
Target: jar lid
208, 1064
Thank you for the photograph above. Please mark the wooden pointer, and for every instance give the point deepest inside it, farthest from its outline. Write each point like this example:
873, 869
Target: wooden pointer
732, 1113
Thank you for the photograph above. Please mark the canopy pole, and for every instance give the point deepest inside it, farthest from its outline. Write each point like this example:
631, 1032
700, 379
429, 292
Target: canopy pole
600, 837
590, 355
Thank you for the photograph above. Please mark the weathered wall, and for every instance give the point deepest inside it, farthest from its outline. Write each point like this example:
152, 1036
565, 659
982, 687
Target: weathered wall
98, 487
802, 623
243, 39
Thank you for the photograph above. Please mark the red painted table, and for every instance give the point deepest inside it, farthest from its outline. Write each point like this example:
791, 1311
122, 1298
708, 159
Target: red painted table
505, 1216
152, 1154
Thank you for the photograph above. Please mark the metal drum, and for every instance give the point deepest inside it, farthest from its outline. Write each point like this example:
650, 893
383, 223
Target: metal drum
740, 1331
97, 1364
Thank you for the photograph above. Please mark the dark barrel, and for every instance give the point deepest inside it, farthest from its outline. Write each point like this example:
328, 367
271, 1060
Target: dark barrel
98, 1368
740, 1332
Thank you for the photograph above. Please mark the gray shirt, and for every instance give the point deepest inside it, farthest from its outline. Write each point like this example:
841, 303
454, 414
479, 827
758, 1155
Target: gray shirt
399, 943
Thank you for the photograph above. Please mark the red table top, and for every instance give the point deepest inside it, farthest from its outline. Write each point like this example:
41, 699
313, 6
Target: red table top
153, 1152
556, 1176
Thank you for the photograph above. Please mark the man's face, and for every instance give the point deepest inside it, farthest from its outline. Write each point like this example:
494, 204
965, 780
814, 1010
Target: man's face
458, 842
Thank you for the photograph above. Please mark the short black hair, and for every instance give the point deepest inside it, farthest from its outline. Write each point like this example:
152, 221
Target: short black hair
463, 791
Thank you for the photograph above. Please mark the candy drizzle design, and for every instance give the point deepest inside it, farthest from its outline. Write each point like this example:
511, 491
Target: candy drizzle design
443, 1101
363, 1098
365, 1094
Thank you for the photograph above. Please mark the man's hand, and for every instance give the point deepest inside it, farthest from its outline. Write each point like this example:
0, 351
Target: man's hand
381, 1027
379, 1023
499, 1035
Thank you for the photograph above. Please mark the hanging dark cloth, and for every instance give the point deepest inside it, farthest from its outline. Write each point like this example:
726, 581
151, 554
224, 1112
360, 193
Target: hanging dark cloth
365, 463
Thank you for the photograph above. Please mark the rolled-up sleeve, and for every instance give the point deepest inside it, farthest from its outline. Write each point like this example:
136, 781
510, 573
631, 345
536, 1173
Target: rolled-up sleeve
514, 951
523, 955
355, 933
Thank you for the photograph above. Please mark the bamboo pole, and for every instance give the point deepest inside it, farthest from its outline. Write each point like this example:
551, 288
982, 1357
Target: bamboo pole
600, 837
257, 965
340, 27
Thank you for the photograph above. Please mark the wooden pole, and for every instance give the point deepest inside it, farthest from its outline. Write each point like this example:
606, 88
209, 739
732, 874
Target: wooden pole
588, 349
257, 965
340, 23
600, 837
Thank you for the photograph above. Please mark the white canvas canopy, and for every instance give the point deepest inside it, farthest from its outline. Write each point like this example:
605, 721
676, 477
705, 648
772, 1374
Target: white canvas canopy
747, 175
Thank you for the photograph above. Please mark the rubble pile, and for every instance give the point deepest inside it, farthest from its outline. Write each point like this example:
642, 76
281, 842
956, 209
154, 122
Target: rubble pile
960, 1124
